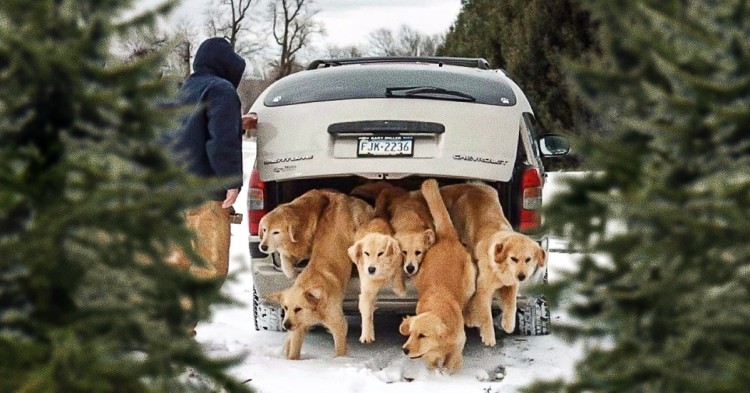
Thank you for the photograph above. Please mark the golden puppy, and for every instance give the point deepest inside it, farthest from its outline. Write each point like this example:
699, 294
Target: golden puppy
289, 229
504, 258
318, 292
445, 283
378, 259
410, 218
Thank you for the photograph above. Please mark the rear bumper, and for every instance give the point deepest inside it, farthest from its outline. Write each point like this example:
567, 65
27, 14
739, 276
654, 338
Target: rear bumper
268, 278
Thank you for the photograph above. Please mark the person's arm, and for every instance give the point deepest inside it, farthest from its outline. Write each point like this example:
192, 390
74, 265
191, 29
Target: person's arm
224, 144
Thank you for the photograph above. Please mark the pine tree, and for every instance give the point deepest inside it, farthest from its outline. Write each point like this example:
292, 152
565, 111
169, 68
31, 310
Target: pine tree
89, 205
532, 40
664, 299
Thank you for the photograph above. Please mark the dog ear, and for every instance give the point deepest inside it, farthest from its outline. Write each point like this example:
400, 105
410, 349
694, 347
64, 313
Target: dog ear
405, 327
392, 247
291, 234
355, 253
440, 328
314, 296
499, 251
275, 297
541, 257
429, 237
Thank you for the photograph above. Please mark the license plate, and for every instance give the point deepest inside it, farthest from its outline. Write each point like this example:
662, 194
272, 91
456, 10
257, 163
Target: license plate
385, 146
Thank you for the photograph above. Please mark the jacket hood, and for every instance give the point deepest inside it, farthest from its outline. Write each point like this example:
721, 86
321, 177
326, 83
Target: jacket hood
215, 56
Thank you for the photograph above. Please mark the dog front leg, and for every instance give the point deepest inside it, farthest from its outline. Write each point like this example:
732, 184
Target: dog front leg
479, 314
508, 305
338, 327
293, 343
287, 265
367, 310
454, 361
399, 287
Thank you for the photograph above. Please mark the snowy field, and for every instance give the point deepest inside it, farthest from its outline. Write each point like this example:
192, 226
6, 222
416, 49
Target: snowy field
378, 367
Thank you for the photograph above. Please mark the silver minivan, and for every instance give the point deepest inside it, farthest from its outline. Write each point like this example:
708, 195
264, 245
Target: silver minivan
344, 122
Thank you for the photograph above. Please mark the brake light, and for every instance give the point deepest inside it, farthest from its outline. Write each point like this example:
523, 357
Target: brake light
531, 200
256, 206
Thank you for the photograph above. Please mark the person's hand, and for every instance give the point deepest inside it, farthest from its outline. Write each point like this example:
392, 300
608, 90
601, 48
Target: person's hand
249, 121
231, 197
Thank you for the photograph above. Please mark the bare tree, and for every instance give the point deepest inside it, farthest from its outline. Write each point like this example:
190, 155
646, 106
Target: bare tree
338, 52
232, 19
407, 42
186, 36
293, 28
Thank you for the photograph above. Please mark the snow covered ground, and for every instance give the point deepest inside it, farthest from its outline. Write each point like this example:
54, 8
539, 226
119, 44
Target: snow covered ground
378, 367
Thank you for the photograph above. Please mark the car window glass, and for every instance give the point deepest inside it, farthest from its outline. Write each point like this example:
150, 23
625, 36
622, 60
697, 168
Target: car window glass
375, 81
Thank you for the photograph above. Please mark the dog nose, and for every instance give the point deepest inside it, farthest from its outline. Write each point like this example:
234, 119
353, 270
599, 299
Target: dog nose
287, 325
521, 277
406, 351
371, 269
263, 248
410, 269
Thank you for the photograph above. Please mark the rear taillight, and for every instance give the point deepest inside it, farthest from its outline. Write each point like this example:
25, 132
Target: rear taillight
256, 206
531, 200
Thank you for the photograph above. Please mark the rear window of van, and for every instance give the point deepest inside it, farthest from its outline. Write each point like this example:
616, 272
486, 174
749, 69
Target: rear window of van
383, 81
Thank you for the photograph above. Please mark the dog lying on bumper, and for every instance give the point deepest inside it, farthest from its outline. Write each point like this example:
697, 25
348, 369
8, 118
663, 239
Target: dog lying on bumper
445, 282
318, 292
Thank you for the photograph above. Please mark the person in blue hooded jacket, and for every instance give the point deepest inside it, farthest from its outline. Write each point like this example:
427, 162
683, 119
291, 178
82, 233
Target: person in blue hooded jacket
209, 144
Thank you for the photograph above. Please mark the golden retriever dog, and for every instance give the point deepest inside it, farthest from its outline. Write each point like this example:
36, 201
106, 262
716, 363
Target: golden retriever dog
289, 229
317, 294
445, 283
504, 258
410, 218
377, 256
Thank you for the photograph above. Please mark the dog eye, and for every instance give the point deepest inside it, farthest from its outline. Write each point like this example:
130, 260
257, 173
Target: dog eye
298, 309
528, 259
403, 252
514, 259
367, 253
421, 335
418, 252
275, 232
380, 253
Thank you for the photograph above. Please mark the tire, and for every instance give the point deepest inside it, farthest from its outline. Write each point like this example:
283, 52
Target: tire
532, 319
267, 317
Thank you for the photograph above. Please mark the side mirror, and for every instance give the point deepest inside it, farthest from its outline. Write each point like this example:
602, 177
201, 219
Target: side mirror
553, 145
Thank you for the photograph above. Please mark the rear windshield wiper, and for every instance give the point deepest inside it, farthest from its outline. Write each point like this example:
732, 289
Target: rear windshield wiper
433, 92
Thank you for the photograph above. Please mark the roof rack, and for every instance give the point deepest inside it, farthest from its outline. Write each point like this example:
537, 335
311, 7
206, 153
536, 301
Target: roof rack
456, 61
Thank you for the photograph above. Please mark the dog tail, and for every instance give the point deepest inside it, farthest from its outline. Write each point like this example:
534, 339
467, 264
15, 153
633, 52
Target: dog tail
381, 205
443, 224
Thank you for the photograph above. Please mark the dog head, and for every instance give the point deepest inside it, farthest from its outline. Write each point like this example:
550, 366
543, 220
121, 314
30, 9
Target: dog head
516, 256
278, 230
427, 334
301, 306
291, 225
378, 255
414, 245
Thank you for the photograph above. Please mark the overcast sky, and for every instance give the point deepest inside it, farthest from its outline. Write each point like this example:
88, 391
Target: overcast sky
349, 22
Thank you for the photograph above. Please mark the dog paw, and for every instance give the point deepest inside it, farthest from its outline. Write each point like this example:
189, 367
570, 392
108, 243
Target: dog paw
508, 325
367, 338
489, 340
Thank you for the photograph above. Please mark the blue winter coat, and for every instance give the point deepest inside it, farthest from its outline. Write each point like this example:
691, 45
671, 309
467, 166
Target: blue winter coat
209, 141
